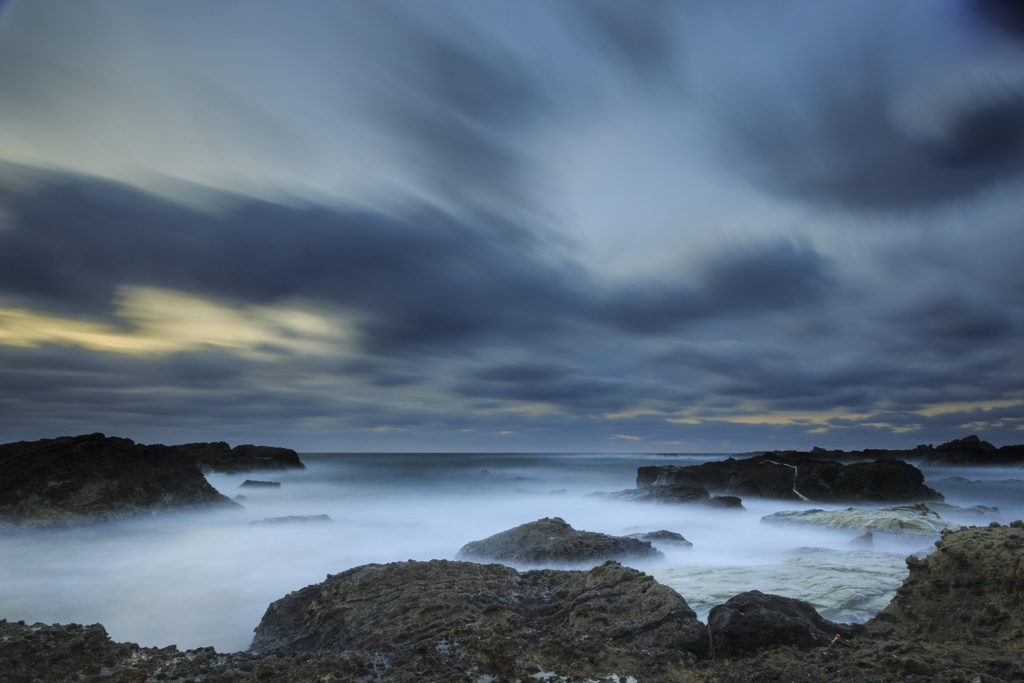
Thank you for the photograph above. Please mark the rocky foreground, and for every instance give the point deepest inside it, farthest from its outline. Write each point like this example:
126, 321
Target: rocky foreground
959, 616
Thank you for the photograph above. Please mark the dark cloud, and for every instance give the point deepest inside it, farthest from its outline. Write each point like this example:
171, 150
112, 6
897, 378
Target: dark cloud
851, 126
642, 36
753, 279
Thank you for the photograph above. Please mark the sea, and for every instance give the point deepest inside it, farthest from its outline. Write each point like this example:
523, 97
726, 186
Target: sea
197, 579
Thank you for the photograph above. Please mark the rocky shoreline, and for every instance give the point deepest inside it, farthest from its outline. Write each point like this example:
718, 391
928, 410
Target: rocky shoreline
553, 615
958, 616
94, 478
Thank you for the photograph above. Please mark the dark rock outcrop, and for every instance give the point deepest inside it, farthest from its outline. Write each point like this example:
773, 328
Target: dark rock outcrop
665, 537
769, 476
254, 484
218, 456
290, 519
90, 478
725, 502
753, 620
552, 541
675, 494
970, 450
492, 621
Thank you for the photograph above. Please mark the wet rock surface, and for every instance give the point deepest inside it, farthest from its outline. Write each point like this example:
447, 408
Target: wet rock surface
674, 494
774, 477
91, 478
670, 538
913, 520
441, 616
753, 620
551, 541
291, 519
255, 484
218, 456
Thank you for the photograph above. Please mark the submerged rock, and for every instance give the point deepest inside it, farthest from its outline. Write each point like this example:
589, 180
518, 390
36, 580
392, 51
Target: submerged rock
750, 621
446, 618
552, 541
254, 484
290, 519
726, 502
773, 477
663, 537
90, 478
915, 520
865, 540
675, 494
842, 585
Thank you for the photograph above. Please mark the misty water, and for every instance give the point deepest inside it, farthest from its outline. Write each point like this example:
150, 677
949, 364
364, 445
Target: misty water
199, 579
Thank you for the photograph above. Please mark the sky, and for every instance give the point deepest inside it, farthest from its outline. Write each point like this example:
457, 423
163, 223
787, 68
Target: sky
513, 225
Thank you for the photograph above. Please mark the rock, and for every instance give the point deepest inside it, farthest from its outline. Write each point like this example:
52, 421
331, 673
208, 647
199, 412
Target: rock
729, 502
842, 585
866, 540
753, 620
971, 587
972, 451
486, 621
219, 457
239, 497
955, 513
676, 494
254, 484
290, 519
552, 541
71, 652
915, 520
663, 537
91, 478
558, 492
770, 476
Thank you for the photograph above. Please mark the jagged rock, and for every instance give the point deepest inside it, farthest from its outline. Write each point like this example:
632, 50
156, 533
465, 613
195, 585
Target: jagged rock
552, 541
865, 540
677, 494
727, 502
773, 477
290, 519
71, 653
663, 537
915, 520
254, 484
753, 620
218, 456
492, 621
89, 478
971, 587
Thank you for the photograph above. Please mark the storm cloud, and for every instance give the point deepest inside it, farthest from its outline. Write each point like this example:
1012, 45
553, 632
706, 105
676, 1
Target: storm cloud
517, 227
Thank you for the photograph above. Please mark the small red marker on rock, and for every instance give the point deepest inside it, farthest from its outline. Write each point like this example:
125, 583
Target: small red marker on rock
834, 639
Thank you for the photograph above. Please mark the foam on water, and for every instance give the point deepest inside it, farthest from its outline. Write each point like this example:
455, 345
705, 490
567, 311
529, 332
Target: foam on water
206, 578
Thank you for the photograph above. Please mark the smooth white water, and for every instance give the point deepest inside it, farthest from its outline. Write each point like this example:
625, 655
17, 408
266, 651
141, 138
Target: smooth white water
199, 579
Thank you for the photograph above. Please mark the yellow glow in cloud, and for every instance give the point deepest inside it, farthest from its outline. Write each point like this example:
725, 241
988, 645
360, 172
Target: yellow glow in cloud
943, 408
159, 321
635, 412
626, 436
533, 409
